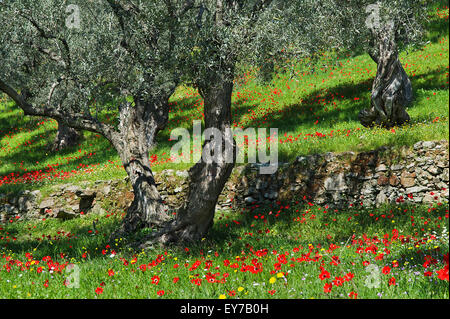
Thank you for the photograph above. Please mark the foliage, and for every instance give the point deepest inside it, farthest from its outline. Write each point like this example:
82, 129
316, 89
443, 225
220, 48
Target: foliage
353, 24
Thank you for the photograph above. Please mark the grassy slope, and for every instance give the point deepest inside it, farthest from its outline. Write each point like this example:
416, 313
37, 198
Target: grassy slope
315, 112
239, 234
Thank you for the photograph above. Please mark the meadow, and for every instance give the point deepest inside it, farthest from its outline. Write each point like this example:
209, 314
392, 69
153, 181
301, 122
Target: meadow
285, 250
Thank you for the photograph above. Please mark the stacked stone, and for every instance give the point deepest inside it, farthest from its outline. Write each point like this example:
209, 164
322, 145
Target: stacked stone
418, 174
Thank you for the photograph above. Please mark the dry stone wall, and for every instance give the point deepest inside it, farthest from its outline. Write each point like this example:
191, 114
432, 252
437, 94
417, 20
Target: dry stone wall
417, 174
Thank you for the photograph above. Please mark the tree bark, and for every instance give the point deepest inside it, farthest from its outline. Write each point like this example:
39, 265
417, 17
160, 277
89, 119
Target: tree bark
135, 136
391, 89
206, 178
138, 127
65, 137
147, 208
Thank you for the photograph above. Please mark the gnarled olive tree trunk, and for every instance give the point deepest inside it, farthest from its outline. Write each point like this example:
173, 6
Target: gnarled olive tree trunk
139, 125
134, 137
206, 178
391, 89
65, 137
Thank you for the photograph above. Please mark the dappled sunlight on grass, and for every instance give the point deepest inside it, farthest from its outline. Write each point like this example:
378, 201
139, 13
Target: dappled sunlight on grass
281, 250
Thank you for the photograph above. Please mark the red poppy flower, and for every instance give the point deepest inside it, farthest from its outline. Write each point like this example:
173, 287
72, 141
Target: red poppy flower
197, 281
349, 276
160, 292
392, 281
443, 273
327, 288
324, 275
353, 295
386, 270
338, 281
155, 280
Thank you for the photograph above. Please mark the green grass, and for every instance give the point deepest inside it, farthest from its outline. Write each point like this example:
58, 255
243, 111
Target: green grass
316, 112
315, 104
236, 237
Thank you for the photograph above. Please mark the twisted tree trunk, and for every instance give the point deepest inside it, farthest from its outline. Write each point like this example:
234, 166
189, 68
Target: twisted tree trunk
138, 127
391, 89
206, 178
136, 135
147, 208
65, 137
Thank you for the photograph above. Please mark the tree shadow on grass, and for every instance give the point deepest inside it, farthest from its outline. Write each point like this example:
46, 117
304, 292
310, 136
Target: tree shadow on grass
309, 110
438, 26
431, 80
74, 246
313, 231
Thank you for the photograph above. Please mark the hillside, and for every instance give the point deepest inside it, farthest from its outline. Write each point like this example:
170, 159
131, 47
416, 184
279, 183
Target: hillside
294, 249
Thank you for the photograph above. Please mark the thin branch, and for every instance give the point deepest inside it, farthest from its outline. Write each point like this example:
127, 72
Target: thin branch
49, 36
52, 90
74, 120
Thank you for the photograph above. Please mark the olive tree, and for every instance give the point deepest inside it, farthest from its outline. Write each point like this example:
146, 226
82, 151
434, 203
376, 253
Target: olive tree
227, 34
66, 136
59, 58
382, 28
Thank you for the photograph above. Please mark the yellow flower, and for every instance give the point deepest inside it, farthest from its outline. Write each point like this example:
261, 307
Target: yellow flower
240, 289
272, 280
222, 297
280, 274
